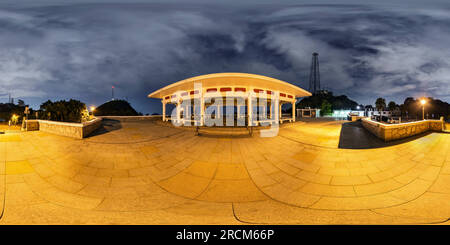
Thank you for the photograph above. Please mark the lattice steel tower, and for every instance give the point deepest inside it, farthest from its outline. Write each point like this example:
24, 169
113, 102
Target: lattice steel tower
314, 75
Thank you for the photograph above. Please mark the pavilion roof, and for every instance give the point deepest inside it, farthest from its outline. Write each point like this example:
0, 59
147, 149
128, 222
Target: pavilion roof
218, 80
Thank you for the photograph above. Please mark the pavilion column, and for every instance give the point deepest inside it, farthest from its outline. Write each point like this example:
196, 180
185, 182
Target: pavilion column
271, 109
264, 111
194, 111
218, 111
178, 112
202, 110
163, 111
280, 112
276, 106
186, 113
293, 111
250, 110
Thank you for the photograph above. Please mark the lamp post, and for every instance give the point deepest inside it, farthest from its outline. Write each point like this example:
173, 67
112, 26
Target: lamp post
423, 102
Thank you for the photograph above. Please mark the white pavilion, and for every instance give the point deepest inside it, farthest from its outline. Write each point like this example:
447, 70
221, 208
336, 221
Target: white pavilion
240, 99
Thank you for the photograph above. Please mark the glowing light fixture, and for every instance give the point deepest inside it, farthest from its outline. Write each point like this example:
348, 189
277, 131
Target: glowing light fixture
14, 119
423, 102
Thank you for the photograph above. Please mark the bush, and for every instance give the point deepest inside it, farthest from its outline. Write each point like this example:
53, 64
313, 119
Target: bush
65, 111
326, 108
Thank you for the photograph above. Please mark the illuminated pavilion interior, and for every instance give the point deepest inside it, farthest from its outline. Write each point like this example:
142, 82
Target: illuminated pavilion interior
251, 99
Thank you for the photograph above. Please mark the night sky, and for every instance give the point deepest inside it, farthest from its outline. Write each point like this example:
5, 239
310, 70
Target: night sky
62, 50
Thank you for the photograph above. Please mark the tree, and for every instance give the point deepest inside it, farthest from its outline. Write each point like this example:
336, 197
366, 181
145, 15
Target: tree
9, 109
392, 106
380, 104
64, 111
412, 109
326, 108
409, 107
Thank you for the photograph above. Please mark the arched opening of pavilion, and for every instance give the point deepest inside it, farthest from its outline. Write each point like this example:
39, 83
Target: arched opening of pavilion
228, 99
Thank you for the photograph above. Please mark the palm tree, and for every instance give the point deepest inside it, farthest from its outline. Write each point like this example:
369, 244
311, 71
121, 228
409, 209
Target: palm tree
380, 104
392, 106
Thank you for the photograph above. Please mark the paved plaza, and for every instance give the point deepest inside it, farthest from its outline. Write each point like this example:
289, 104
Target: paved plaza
148, 173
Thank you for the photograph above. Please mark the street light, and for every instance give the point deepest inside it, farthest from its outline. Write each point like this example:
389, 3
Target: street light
92, 110
14, 119
423, 102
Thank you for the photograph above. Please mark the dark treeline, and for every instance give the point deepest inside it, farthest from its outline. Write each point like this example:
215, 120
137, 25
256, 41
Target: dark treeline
434, 109
9, 109
341, 102
64, 111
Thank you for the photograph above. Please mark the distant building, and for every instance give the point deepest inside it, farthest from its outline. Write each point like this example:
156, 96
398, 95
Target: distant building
370, 111
308, 112
380, 113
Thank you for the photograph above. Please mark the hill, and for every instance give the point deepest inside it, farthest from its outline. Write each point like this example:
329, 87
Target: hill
341, 102
115, 108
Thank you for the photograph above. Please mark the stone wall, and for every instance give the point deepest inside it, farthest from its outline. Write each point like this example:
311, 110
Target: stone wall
132, 118
389, 132
74, 130
356, 118
91, 126
31, 125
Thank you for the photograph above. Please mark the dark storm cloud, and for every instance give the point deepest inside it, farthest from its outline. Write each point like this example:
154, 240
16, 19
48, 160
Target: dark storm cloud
80, 51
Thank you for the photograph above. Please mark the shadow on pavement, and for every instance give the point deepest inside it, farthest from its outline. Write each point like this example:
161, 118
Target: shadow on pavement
355, 136
107, 126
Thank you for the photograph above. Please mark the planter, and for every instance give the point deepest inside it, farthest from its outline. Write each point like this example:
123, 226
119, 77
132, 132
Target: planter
389, 132
73, 130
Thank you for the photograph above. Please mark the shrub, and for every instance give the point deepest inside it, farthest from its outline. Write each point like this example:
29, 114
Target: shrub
65, 111
326, 108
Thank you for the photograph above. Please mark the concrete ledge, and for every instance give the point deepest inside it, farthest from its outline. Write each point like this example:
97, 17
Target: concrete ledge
132, 118
356, 118
389, 132
74, 130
